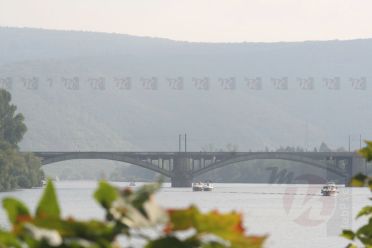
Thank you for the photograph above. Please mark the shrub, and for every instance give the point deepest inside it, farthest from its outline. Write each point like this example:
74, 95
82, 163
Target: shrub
23, 182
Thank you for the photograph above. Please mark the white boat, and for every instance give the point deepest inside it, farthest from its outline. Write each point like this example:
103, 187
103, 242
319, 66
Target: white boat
197, 186
132, 184
330, 189
208, 186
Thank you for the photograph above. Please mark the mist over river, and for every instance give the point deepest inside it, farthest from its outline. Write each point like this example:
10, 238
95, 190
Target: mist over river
292, 215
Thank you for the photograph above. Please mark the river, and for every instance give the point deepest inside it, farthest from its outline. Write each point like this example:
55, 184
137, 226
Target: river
292, 215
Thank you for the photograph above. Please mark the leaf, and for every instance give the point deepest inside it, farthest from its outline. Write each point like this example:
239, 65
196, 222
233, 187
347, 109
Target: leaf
171, 242
48, 205
92, 230
8, 240
348, 234
364, 234
213, 245
351, 246
358, 180
212, 222
365, 211
142, 195
226, 226
106, 194
181, 219
367, 151
16, 210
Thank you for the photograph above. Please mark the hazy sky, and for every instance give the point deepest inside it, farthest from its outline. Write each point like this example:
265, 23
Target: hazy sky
199, 20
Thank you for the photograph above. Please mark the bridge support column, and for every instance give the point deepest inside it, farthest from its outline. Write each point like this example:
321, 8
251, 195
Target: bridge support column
181, 174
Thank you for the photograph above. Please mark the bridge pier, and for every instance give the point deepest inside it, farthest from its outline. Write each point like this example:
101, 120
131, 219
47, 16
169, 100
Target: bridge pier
181, 175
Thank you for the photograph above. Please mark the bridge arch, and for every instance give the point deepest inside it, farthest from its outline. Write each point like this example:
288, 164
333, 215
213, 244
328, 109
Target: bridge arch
268, 156
104, 156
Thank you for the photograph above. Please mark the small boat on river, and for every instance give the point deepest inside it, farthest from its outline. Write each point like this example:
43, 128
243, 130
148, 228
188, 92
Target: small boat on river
208, 186
329, 190
197, 186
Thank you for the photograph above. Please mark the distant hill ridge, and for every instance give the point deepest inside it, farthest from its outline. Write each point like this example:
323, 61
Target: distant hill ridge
152, 120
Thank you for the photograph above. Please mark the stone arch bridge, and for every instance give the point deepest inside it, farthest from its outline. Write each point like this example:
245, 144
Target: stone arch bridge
182, 167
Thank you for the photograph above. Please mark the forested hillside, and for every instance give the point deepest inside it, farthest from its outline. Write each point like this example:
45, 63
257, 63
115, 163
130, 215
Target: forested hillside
92, 91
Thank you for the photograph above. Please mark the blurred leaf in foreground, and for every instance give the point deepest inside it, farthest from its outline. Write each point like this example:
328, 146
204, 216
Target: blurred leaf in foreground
358, 180
16, 210
226, 226
48, 206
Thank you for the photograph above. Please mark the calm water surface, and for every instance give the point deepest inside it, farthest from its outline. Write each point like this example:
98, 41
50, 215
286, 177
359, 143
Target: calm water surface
293, 215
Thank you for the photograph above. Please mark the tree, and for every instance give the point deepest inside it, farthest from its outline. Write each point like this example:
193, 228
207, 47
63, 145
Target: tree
12, 127
16, 169
341, 149
228, 148
324, 148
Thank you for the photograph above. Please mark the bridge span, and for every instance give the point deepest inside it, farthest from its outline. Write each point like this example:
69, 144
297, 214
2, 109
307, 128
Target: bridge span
182, 167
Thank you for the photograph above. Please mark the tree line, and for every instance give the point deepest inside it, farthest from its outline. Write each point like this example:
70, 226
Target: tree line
17, 170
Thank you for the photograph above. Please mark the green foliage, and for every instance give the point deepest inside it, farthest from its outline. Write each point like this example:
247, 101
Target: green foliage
348, 234
129, 214
364, 233
12, 127
358, 180
106, 194
367, 151
48, 206
172, 242
16, 169
8, 240
366, 211
16, 210
226, 226
23, 182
